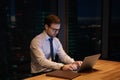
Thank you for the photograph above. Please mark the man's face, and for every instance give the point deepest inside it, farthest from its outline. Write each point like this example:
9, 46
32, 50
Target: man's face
52, 30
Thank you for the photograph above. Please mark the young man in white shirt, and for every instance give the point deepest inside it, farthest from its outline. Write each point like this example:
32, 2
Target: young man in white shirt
40, 49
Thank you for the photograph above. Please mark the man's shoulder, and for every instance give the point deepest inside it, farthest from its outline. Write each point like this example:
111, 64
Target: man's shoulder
38, 37
55, 38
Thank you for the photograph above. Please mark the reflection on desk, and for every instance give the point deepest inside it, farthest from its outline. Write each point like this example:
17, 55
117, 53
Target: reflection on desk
103, 70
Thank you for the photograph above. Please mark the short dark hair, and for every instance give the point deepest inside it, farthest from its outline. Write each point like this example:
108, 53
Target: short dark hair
52, 19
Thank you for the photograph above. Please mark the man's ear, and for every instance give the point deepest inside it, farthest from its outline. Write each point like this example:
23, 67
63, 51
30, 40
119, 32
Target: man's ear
46, 26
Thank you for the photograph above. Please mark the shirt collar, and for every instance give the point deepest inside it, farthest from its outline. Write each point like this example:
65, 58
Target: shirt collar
46, 35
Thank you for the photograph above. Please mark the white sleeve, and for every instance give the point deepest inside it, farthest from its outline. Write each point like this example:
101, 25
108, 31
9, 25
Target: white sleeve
63, 56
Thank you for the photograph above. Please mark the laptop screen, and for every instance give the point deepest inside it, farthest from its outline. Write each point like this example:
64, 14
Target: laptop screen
89, 62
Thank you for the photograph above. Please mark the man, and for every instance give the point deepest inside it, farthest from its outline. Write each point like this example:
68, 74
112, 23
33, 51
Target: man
41, 59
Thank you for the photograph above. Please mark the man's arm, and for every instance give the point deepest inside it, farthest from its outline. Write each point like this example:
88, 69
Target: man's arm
63, 56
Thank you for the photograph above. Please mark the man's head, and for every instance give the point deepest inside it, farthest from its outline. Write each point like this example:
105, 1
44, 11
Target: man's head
52, 25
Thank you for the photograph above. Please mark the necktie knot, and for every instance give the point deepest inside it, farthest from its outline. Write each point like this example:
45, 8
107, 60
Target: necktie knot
50, 39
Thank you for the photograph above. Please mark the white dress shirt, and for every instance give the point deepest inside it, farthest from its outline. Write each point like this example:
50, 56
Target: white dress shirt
40, 54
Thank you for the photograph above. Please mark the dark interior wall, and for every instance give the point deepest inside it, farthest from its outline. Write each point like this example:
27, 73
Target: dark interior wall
4, 43
97, 29
88, 30
16, 35
114, 31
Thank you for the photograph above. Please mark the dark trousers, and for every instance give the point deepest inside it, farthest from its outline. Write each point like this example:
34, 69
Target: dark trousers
40, 73
35, 74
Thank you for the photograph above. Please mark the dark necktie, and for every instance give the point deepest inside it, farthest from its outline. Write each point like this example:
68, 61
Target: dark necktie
51, 49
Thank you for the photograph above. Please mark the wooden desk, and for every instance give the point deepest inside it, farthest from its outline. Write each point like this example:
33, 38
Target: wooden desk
104, 70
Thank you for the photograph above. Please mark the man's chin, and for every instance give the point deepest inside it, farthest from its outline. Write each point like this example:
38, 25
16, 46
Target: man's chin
52, 36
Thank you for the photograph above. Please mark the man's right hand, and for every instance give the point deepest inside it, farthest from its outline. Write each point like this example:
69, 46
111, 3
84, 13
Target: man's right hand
70, 67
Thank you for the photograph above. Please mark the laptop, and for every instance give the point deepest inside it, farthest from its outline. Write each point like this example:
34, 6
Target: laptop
89, 62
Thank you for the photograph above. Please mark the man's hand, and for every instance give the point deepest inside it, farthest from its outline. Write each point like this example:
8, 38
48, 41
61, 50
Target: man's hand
70, 67
73, 66
78, 63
